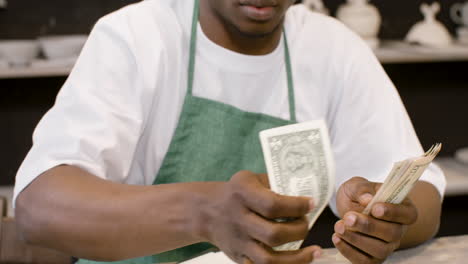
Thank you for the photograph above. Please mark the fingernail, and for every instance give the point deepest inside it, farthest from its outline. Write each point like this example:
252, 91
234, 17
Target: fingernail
317, 254
339, 228
379, 211
335, 239
350, 220
365, 198
311, 205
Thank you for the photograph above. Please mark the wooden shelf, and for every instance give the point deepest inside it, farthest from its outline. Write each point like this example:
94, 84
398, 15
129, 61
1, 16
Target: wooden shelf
390, 52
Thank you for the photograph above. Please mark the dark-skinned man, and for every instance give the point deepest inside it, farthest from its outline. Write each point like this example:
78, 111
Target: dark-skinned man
143, 155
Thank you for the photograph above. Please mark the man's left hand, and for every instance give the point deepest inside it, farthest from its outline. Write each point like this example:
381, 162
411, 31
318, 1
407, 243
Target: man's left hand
369, 238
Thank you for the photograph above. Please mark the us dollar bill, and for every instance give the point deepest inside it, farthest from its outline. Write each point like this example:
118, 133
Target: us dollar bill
402, 178
299, 162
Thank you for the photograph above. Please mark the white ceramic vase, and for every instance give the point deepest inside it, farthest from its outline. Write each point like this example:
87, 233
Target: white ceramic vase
363, 18
430, 32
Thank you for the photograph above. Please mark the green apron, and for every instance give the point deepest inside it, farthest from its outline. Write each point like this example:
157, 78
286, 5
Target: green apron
212, 142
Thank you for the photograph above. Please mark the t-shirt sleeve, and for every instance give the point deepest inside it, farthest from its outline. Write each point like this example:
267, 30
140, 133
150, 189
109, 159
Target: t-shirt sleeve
99, 113
369, 126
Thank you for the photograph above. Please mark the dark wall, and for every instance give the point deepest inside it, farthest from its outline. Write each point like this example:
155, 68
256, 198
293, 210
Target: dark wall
31, 18
23, 102
436, 98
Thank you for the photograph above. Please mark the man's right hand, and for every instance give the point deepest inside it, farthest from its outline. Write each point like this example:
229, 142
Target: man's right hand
240, 221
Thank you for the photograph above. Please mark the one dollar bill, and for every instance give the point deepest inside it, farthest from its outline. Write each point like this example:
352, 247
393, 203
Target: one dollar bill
299, 162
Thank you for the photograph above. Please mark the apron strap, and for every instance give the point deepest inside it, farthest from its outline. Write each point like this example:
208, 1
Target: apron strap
193, 46
292, 102
191, 66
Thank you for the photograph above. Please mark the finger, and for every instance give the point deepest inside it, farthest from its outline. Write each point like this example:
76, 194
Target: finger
351, 253
371, 246
273, 233
249, 187
262, 255
272, 205
360, 190
405, 213
263, 178
386, 231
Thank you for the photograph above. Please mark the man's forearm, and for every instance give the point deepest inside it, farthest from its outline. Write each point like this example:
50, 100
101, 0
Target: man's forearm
71, 210
427, 200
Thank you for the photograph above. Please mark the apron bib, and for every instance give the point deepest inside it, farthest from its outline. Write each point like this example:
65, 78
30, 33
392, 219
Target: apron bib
212, 142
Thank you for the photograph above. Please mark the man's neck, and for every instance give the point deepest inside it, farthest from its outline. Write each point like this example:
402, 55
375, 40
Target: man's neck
229, 37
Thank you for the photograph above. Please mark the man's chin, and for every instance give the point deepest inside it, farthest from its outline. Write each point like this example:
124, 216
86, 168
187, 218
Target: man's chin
257, 30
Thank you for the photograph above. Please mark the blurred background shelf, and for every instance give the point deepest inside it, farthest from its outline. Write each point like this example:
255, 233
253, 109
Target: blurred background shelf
390, 52
34, 72
400, 52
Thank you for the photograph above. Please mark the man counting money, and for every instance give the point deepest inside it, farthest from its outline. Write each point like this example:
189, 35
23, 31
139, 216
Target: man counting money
151, 151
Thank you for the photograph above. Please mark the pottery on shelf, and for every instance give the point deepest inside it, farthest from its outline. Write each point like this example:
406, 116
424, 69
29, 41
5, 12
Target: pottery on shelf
62, 47
3, 3
363, 18
316, 6
459, 13
430, 32
19, 53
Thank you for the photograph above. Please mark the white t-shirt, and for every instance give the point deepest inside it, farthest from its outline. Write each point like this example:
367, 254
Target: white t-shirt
116, 114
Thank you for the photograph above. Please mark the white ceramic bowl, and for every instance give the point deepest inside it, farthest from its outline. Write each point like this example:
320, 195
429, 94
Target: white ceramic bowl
60, 47
19, 52
461, 155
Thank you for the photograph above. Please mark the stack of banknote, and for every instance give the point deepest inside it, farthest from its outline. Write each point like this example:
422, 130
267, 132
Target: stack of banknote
402, 178
299, 162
